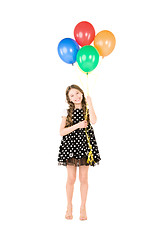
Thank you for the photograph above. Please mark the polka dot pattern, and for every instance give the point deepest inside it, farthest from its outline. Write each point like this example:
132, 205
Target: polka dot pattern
75, 146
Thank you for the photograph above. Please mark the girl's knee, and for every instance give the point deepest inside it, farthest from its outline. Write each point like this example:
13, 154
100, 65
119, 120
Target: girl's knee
71, 179
83, 179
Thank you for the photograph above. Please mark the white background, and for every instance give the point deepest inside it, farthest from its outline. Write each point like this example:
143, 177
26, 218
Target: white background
125, 196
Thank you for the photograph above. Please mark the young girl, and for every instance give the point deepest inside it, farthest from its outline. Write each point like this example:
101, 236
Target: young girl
74, 148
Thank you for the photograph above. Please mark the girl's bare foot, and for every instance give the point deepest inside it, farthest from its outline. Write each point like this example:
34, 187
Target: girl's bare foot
68, 214
83, 215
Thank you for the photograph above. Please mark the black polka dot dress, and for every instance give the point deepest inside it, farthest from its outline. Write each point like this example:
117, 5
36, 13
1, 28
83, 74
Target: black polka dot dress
74, 148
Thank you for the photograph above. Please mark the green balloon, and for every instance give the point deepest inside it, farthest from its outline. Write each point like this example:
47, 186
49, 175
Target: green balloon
87, 58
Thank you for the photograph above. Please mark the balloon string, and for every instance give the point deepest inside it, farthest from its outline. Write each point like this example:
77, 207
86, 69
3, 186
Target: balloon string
78, 68
90, 159
90, 155
87, 86
96, 74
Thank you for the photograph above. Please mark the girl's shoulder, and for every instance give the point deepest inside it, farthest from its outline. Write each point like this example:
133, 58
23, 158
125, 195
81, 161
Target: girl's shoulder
64, 112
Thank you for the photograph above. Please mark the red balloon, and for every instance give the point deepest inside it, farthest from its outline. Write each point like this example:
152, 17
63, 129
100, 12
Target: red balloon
84, 33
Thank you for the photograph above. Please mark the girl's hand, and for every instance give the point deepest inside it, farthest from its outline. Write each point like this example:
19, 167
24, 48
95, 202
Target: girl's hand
82, 124
89, 101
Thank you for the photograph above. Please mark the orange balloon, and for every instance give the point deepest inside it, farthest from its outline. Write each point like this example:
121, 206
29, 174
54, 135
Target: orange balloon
104, 42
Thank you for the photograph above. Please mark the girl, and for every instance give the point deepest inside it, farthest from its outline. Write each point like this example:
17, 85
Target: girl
74, 148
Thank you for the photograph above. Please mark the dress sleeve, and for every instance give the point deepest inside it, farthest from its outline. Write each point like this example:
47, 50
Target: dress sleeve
64, 112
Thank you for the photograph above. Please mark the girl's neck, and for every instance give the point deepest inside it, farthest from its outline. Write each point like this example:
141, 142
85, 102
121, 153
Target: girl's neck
78, 106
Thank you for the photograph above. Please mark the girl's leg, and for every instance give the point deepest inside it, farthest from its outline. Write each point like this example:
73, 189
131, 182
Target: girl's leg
83, 177
71, 177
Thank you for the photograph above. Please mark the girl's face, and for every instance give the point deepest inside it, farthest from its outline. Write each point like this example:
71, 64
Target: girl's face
75, 96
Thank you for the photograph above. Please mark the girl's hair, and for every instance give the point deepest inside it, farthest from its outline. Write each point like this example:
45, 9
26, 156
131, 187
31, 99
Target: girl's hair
72, 105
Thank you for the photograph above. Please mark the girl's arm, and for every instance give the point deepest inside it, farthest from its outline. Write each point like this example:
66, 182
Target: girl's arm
65, 130
92, 114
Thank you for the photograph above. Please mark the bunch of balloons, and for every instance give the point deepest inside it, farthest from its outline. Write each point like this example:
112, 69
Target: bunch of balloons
87, 56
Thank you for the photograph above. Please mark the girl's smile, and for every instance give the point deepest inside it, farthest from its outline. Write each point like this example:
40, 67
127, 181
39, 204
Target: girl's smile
77, 100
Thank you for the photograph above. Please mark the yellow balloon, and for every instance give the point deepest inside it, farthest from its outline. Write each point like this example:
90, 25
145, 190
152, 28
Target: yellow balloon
104, 42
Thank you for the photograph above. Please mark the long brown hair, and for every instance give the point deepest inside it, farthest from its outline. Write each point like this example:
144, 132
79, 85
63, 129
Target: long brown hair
71, 108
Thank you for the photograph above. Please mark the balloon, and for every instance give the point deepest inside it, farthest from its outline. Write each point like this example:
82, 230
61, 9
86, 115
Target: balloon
104, 42
84, 33
87, 58
67, 50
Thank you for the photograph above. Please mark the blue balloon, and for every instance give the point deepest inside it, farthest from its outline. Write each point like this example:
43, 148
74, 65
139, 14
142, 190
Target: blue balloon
67, 50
